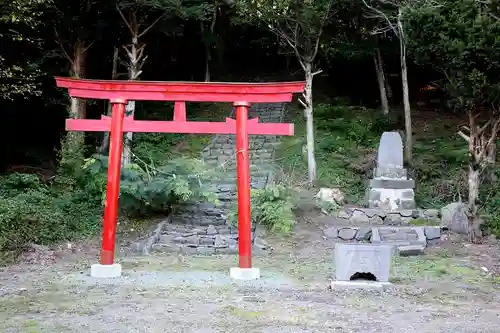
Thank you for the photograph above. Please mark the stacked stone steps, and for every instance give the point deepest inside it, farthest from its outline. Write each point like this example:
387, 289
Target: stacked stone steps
200, 227
203, 240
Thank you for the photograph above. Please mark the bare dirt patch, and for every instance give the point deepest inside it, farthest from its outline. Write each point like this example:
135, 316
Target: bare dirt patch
447, 290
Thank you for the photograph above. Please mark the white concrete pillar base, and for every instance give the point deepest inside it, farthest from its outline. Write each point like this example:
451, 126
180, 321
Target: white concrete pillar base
106, 271
245, 274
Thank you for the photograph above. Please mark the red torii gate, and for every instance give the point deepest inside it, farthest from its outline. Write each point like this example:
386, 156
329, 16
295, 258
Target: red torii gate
120, 92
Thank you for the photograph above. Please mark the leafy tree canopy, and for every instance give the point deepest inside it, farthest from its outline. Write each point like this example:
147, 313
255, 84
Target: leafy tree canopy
19, 20
462, 40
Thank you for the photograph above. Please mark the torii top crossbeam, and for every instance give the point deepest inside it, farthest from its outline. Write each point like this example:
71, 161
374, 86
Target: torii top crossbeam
181, 91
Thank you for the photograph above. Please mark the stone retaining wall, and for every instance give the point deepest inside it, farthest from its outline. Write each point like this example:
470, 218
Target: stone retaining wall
200, 227
371, 216
415, 239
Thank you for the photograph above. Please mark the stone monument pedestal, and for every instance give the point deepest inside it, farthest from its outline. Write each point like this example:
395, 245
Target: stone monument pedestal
390, 189
391, 194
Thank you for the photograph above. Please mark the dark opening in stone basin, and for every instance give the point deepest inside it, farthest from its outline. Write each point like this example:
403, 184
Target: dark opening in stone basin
363, 276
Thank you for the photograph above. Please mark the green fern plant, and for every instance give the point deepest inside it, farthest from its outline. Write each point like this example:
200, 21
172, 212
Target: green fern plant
147, 187
272, 207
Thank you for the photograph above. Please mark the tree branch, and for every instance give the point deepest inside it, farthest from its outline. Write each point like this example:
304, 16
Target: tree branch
150, 26
320, 32
88, 47
302, 103
464, 136
214, 19
125, 20
59, 41
129, 53
289, 40
482, 128
381, 15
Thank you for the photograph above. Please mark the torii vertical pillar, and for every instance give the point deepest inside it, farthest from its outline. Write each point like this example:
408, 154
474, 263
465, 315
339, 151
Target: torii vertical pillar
245, 271
107, 267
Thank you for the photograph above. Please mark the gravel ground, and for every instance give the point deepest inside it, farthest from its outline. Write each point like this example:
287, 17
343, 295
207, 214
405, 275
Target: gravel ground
439, 292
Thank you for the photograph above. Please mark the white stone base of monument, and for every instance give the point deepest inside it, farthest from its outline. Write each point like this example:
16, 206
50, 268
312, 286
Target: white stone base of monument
106, 271
391, 199
367, 285
244, 274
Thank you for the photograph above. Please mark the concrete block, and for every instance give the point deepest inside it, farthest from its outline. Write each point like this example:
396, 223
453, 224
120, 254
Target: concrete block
372, 195
364, 285
362, 258
391, 199
408, 194
421, 239
244, 274
375, 239
432, 233
392, 183
411, 250
106, 271
391, 173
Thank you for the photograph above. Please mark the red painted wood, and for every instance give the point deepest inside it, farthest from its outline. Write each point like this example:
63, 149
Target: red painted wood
182, 87
182, 96
243, 175
188, 127
181, 91
180, 111
113, 185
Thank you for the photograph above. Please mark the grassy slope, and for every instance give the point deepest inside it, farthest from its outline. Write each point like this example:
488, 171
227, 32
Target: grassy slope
346, 142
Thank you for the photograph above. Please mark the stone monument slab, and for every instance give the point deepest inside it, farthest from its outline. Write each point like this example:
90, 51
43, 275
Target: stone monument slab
390, 150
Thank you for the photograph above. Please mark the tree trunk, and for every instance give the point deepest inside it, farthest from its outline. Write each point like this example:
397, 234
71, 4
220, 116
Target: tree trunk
133, 74
491, 157
474, 219
308, 113
78, 106
114, 75
208, 55
379, 68
388, 89
406, 93
207, 63
127, 152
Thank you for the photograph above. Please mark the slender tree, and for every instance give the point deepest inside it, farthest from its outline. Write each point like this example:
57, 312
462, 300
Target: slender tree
300, 24
76, 25
389, 14
207, 30
139, 17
